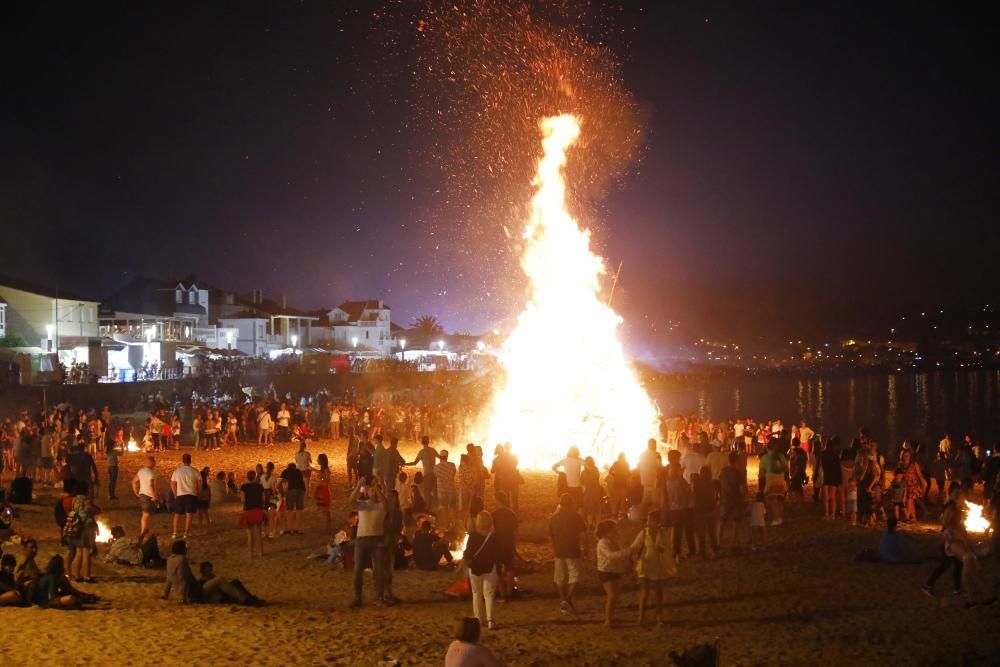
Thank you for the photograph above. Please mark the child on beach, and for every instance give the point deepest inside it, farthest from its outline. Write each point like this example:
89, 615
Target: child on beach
758, 513
218, 488
851, 507
655, 563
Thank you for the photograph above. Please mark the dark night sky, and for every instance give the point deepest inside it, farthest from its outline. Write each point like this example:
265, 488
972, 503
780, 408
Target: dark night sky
805, 168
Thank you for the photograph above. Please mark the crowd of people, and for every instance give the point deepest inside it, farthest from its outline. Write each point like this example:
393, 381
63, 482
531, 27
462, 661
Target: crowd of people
701, 490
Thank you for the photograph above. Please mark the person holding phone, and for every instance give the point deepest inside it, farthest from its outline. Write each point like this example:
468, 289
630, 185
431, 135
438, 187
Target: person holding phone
368, 499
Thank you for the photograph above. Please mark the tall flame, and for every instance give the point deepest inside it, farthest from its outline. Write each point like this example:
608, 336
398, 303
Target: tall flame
567, 381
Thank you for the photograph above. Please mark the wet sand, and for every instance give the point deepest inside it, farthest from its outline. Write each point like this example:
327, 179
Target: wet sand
802, 601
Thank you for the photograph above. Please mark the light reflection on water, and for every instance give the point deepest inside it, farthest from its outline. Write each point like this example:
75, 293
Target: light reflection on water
920, 406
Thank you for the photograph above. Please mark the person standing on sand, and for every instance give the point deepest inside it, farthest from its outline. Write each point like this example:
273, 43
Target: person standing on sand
265, 428
323, 490
427, 457
649, 473
481, 557
654, 563
505, 534
253, 518
303, 461
444, 474
293, 488
612, 560
567, 531
144, 487
369, 501
506, 478
185, 483
572, 467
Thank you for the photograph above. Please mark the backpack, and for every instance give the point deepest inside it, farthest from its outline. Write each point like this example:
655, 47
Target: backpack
73, 528
60, 514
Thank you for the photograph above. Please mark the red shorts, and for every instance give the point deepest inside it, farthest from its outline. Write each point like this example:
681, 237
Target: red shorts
253, 518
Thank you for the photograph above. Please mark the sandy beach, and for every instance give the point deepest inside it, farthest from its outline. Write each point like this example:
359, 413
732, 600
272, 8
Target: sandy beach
802, 601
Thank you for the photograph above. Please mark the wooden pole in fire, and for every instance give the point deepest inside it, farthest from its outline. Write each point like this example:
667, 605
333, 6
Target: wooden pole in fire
614, 283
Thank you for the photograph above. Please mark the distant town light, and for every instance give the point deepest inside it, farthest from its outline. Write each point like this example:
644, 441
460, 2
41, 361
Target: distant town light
480, 345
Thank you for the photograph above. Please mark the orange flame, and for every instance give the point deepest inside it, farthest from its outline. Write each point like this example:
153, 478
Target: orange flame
567, 380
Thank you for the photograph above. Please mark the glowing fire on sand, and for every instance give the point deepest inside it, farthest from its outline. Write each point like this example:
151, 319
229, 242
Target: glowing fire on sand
567, 381
132, 446
103, 532
974, 520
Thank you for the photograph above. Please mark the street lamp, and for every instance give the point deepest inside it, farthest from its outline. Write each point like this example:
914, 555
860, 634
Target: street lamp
49, 332
187, 332
441, 345
229, 339
295, 340
150, 332
402, 346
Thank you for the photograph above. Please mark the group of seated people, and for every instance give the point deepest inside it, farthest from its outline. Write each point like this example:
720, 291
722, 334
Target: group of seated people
25, 584
426, 551
210, 588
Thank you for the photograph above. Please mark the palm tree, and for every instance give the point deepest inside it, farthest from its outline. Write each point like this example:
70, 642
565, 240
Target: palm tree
425, 329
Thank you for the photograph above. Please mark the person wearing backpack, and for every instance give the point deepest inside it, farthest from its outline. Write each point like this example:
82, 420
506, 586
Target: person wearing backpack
80, 532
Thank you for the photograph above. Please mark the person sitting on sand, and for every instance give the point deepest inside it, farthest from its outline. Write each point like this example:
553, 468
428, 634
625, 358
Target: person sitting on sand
179, 574
466, 651
28, 571
10, 595
215, 589
143, 551
429, 548
53, 590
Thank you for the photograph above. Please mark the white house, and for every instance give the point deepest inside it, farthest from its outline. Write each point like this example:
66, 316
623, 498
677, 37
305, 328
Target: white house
49, 319
364, 326
252, 335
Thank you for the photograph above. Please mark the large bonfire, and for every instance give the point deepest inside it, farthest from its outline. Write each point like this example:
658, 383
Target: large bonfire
567, 381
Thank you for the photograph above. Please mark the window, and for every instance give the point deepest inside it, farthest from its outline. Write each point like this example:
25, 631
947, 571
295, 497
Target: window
179, 296
90, 315
366, 335
68, 314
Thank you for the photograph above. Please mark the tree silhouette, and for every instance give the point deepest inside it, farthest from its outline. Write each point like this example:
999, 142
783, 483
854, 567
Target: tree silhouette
425, 329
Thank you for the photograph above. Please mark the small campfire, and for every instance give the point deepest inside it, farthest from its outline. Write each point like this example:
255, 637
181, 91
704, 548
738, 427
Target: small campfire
103, 531
132, 446
974, 520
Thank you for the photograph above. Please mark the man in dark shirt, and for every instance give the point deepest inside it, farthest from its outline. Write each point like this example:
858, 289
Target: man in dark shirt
566, 532
429, 549
294, 488
732, 490
505, 534
427, 457
84, 471
506, 478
